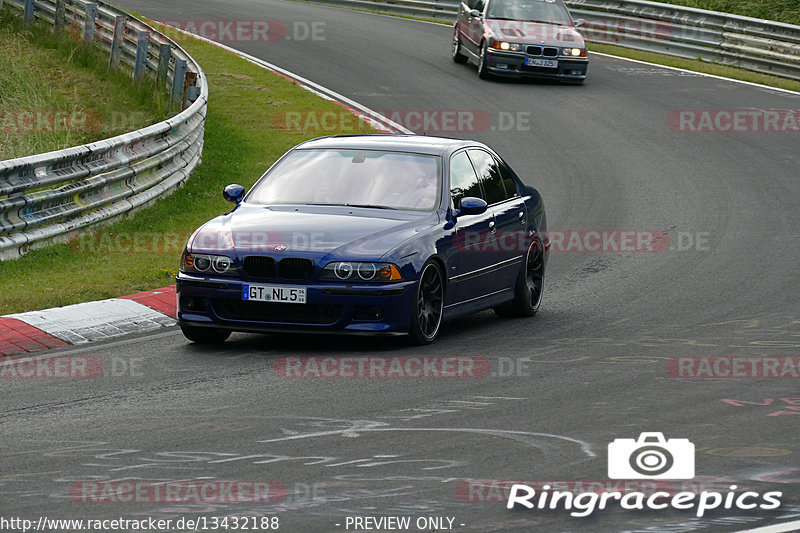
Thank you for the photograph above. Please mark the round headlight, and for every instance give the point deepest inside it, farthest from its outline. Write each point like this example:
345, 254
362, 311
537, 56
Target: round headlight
221, 264
367, 271
343, 270
202, 263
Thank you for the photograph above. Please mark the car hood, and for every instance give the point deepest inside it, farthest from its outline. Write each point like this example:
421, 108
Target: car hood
309, 230
518, 31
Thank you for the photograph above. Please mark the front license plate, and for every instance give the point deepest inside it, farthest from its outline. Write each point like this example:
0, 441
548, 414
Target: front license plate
536, 62
274, 293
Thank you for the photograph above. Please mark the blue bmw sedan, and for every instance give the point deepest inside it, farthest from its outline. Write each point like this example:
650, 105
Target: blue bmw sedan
367, 234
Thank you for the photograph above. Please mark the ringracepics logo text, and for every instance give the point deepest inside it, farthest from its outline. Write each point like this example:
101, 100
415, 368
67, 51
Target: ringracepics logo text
586, 503
651, 456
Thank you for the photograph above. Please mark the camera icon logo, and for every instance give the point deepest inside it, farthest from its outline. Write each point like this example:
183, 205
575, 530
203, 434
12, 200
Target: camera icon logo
651, 457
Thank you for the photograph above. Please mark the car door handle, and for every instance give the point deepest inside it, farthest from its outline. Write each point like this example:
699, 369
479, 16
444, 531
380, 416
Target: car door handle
491, 226
522, 216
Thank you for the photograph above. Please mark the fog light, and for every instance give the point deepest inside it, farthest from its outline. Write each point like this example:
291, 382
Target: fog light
189, 303
369, 312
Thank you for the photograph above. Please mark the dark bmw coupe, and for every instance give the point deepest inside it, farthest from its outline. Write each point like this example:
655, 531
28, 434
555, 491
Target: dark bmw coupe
367, 234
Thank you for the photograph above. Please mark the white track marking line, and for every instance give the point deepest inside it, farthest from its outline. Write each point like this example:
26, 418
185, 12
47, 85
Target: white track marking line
750, 83
775, 528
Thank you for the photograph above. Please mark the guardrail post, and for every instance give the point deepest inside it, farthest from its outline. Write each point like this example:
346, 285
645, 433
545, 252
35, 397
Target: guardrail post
27, 15
116, 41
142, 43
90, 11
164, 55
58, 20
178, 80
188, 85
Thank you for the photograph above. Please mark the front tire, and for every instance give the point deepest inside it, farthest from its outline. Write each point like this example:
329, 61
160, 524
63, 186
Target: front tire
458, 57
529, 287
202, 335
483, 65
426, 315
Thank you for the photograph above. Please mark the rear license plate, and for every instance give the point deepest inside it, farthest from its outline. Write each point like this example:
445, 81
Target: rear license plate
274, 293
536, 62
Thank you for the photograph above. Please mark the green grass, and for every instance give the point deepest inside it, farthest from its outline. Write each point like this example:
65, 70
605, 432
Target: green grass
781, 10
56, 93
240, 143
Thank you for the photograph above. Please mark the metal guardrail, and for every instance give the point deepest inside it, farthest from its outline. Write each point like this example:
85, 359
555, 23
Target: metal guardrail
46, 197
753, 44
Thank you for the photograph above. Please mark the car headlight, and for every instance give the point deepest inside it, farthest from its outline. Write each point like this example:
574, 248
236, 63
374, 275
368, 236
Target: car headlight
206, 264
360, 271
573, 52
503, 45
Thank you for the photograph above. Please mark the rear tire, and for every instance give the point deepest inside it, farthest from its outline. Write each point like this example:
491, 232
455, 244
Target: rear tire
203, 335
426, 315
529, 287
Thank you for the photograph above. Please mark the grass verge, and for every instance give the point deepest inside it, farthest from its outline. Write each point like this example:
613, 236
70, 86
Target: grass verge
787, 11
56, 93
241, 141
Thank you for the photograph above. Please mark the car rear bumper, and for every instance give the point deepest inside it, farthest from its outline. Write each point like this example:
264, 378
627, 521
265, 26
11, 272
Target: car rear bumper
217, 302
514, 67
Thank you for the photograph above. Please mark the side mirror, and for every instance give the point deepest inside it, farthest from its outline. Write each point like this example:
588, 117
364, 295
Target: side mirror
579, 22
233, 193
474, 13
470, 205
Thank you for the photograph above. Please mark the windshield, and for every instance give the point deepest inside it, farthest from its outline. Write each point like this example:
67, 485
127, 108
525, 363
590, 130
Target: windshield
359, 178
536, 10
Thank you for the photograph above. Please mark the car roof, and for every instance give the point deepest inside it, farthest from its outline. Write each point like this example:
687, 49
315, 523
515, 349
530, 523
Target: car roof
422, 144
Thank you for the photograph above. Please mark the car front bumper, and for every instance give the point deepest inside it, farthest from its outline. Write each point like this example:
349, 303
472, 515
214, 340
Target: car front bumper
569, 69
217, 302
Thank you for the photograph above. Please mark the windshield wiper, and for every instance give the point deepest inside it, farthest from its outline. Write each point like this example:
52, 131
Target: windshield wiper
371, 206
545, 22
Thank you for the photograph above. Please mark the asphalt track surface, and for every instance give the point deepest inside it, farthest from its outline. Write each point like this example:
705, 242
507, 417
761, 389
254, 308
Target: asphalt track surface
589, 369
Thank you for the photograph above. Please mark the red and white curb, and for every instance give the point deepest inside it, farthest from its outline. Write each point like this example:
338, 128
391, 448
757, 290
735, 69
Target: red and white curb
90, 321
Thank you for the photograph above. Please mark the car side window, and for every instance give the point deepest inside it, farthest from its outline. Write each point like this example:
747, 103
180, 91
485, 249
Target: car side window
476, 4
490, 176
463, 180
508, 179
